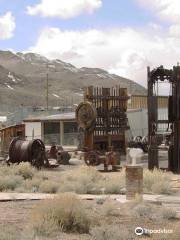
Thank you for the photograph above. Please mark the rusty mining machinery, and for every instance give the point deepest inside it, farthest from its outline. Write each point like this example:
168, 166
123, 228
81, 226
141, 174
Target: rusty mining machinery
35, 153
172, 131
27, 151
102, 122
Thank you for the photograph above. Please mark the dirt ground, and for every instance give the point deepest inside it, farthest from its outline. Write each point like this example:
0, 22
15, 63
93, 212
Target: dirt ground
15, 215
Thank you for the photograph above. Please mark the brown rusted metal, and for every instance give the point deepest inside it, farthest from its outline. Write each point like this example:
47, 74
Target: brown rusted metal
92, 158
59, 154
171, 76
103, 118
27, 151
86, 116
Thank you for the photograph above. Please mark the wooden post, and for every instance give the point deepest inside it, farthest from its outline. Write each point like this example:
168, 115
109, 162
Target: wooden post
134, 182
152, 124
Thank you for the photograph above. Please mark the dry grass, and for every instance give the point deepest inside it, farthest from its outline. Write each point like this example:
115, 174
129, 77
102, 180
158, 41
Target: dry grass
108, 232
48, 186
31, 185
111, 209
168, 213
8, 233
144, 210
87, 180
25, 170
10, 182
65, 213
81, 180
157, 182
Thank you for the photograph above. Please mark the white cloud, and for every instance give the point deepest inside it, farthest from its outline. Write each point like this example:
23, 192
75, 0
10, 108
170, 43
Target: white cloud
174, 30
126, 52
165, 9
64, 8
7, 26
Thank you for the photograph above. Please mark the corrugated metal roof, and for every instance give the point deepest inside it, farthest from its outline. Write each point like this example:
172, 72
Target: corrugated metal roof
11, 126
3, 118
58, 117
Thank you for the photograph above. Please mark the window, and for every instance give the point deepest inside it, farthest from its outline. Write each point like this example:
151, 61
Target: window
52, 132
70, 134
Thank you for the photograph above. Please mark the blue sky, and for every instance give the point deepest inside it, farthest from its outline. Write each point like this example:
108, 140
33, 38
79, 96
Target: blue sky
121, 36
113, 13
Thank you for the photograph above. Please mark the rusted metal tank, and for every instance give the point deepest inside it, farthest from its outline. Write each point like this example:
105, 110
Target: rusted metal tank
58, 153
27, 151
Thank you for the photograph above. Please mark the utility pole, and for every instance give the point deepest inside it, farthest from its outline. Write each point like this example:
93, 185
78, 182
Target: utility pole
47, 88
47, 92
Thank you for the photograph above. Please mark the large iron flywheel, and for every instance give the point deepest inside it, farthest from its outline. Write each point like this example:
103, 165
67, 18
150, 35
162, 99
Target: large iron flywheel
86, 115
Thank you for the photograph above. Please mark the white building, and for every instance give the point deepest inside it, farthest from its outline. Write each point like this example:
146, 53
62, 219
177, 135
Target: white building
60, 129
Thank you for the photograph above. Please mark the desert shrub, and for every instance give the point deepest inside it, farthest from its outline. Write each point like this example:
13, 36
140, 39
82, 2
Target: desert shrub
48, 186
65, 213
41, 175
6, 170
111, 232
25, 170
100, 201
143, 210
81, 180
110, 208
157, 181
87, 180
114, 184
10, 182
168, 213
32, 185
162, 187
8, 233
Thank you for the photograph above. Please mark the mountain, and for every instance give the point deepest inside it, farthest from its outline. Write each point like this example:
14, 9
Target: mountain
23, 81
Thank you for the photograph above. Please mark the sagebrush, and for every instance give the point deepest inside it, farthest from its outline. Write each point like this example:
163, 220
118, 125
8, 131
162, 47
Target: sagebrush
64, 213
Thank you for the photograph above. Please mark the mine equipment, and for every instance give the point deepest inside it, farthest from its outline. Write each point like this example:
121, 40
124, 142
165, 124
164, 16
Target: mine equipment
102, 122
172, 130
139, 142
28, 151
59, 154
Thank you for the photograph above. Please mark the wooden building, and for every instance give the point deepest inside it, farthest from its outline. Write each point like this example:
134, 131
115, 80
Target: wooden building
140, 102
8, 133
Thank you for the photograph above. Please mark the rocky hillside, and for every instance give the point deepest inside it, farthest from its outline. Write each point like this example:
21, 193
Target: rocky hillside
23, 81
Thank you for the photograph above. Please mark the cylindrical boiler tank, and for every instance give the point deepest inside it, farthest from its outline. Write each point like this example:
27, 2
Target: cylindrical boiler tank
27, 151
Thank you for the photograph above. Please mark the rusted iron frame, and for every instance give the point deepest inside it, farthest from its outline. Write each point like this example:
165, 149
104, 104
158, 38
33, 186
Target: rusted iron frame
173, 77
